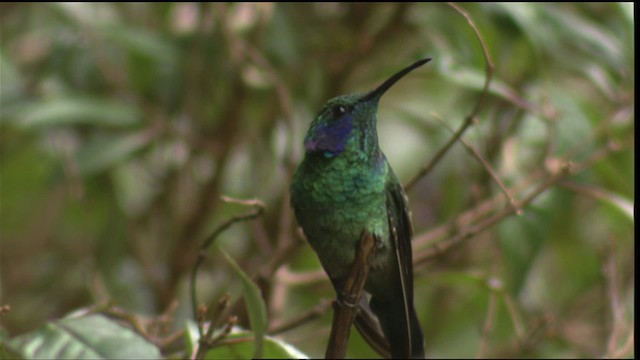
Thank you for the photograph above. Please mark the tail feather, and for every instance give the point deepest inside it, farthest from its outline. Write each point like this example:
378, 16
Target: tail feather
406, 340
369, 328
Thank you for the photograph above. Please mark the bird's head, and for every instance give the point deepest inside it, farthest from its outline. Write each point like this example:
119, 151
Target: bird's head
349, 117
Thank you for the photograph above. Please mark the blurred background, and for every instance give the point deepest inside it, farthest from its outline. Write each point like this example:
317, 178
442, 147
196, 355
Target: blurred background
123, 125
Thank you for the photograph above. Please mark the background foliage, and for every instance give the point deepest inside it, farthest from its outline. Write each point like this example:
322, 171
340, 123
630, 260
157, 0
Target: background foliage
122, 125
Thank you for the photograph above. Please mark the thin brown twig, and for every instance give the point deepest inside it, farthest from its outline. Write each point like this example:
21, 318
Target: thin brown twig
468, 121
611, 279
467, 233
460, 227
473, 215
552, 164
209, 341
219, 144
626, 348
282, 94
514, 314
488, 325
171, 339
5, 309
257, 211
280, 257
299, 278
315, 312
619, 326
223, 303
489, 66
600, 194
476, 153
136, 322
285, 242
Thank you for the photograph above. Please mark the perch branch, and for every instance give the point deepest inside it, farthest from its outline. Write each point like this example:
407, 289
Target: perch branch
345, 307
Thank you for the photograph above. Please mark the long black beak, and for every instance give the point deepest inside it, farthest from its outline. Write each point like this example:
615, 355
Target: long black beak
377, 92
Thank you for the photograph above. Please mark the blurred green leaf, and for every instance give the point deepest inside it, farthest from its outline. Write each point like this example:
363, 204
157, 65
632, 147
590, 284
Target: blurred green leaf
240, 345
255, 306
618, 202
93, 336
587, 35
141, 42
627, 9
104, 153
76, 111
8, 352
10, 79
521, 240
474, 79
191, 335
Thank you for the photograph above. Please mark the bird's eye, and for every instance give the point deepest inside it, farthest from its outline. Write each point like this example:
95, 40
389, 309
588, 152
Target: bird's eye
339, 110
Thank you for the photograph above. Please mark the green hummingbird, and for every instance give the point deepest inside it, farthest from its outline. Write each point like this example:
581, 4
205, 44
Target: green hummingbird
345, 186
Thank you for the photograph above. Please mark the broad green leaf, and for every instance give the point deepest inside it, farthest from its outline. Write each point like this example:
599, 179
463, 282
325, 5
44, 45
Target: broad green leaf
240, 345
74, 110
87, 337
255, 306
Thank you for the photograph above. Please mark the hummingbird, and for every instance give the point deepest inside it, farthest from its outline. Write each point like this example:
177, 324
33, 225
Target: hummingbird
345, 186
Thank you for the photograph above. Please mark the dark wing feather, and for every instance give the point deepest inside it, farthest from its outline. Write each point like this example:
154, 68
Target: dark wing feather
369, 328
401, 233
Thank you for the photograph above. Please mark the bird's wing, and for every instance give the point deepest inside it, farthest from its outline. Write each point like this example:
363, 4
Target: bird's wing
400, 233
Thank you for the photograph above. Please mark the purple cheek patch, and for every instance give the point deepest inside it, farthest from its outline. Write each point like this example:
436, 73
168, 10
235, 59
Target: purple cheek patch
330, 139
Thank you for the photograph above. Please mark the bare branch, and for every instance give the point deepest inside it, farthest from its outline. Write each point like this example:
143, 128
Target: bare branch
467, 233
303, 318
472, 149
259, 210
489, 68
